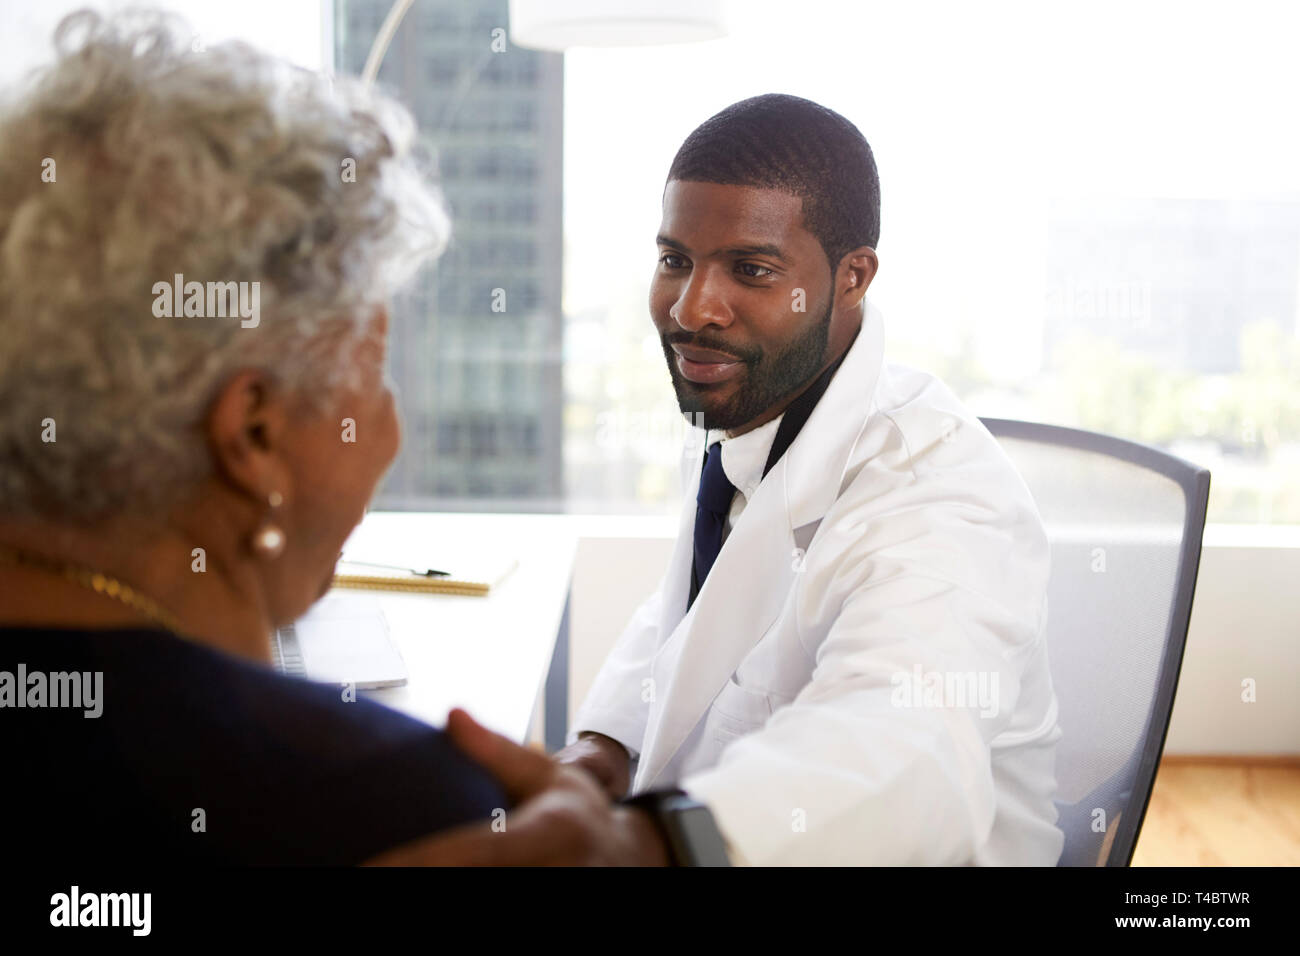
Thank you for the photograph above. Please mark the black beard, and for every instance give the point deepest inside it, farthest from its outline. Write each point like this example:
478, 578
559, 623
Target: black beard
767, 380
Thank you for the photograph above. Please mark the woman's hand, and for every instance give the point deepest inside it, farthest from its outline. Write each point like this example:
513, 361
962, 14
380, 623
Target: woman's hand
561, 816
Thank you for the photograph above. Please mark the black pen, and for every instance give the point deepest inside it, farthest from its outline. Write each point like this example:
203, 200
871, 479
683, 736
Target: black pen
426, 573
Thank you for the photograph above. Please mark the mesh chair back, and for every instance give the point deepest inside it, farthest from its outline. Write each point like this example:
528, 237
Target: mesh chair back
1125, 524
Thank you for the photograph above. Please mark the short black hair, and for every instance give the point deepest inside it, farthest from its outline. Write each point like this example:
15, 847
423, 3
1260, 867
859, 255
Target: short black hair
776, 141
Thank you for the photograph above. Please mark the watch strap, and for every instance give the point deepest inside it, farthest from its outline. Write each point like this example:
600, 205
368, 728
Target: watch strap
663, 807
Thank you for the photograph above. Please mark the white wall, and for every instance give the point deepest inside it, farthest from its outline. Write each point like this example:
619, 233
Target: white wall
611, 577
1245, 624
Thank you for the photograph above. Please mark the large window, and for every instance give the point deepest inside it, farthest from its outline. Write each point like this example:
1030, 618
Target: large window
1091, 216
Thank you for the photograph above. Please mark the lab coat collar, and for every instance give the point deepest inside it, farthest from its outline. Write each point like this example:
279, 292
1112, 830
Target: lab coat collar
825, 443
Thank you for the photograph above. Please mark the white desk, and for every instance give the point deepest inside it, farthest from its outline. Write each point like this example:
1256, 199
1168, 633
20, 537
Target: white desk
490, 655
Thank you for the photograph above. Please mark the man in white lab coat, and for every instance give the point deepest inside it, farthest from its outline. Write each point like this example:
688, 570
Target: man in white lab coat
845, 660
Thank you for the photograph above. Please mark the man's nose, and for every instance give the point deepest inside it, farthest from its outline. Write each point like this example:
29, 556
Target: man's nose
701, 303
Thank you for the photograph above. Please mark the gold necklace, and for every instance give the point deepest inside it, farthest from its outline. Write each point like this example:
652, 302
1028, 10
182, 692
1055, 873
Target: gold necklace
96, 581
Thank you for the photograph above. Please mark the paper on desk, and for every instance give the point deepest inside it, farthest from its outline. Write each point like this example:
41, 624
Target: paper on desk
344, 639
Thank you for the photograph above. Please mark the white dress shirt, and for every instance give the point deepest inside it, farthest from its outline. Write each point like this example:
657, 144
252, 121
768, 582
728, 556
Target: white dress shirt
743, 458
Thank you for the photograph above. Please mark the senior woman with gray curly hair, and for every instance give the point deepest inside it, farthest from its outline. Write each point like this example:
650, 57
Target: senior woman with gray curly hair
173, 479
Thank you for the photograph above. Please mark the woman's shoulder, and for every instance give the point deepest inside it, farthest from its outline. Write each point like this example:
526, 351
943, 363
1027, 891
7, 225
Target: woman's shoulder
294, 771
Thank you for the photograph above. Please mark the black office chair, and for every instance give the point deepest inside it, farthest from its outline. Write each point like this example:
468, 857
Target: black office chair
1125, 522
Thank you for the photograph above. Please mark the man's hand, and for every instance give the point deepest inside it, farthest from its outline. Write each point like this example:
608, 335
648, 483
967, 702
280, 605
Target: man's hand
561, 817
603, 757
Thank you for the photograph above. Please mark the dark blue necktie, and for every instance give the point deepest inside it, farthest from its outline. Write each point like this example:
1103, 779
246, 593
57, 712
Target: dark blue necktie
712, 505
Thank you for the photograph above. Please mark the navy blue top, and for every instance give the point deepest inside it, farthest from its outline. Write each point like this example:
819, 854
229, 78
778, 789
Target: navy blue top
285, 770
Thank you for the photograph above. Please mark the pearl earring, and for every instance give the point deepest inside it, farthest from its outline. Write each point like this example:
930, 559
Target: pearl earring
269, 540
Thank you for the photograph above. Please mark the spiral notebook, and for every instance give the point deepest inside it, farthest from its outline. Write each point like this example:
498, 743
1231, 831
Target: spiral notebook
474, 576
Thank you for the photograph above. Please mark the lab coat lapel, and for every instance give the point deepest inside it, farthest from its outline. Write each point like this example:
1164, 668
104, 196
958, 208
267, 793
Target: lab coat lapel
741, 597
816, 463
677, 585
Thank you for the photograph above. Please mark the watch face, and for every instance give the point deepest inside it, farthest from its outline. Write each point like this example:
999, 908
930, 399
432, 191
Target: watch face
703, 844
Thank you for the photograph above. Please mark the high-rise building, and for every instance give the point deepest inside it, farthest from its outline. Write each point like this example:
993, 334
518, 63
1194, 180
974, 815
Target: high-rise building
1173, 279
476, 342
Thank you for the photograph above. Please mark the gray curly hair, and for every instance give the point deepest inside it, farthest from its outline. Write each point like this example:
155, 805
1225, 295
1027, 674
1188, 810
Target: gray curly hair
224, 166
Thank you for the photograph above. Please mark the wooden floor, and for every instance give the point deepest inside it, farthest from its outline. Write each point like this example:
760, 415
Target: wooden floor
1219, 811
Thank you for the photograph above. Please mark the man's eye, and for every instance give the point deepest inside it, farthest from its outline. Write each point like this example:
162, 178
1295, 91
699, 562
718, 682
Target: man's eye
671, 261
752, 270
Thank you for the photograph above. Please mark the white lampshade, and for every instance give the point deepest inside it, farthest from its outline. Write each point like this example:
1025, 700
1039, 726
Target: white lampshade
561, 24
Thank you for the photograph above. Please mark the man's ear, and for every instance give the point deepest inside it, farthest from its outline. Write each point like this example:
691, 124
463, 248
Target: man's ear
857, 269
246, 428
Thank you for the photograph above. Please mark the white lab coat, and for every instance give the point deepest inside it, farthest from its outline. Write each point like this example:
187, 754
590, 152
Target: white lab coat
892, 551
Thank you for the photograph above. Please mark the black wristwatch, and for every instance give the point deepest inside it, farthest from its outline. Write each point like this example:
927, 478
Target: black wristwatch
687, 826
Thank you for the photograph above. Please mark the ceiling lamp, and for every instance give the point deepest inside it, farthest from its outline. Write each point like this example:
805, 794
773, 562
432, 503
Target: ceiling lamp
563, 24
